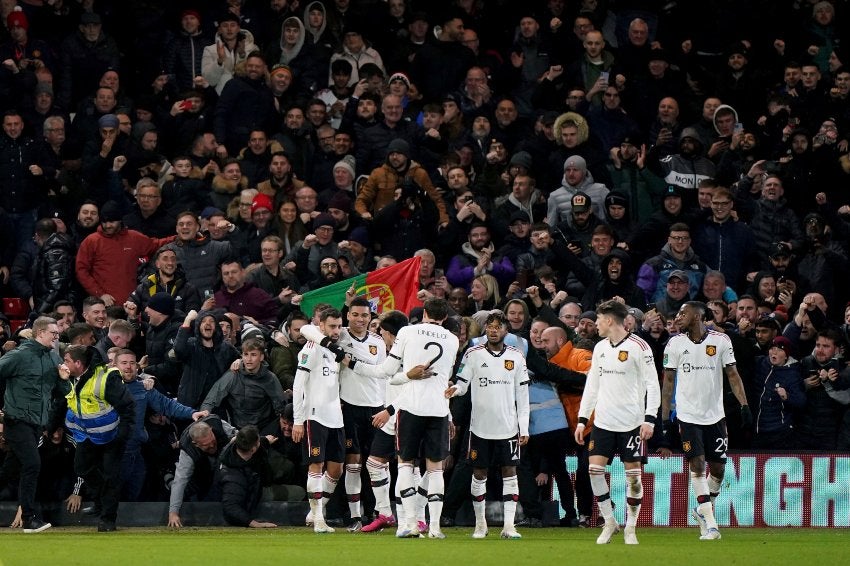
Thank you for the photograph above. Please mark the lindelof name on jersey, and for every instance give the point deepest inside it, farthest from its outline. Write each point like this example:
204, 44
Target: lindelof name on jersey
432, 334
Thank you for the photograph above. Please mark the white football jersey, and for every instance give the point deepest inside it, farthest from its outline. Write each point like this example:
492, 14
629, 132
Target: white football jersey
622, 385
356, 389
420, 344
699, 375
315, 394
499, 383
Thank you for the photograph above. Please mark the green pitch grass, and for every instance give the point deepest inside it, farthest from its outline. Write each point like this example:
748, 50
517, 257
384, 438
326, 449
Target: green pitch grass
300, 546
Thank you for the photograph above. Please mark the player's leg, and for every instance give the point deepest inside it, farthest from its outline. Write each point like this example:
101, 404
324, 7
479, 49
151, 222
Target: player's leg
507, 455
436, 449
478, 455
510, 496
478, 490
634, 498
695, 451
600, 450
420, 480
408, 434
382, 449
314, 451
335, 455
716, 441
351, 415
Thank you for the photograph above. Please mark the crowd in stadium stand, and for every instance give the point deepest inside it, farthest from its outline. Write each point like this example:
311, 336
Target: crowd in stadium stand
175, 176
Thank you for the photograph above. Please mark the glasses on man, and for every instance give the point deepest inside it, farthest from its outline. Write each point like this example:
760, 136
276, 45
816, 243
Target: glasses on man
680, 238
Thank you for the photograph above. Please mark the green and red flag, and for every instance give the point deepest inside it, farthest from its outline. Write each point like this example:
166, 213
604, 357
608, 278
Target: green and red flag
390, 288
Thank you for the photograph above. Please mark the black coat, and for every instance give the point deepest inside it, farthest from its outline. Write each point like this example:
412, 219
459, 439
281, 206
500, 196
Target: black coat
202, 366
242, 483
54, 273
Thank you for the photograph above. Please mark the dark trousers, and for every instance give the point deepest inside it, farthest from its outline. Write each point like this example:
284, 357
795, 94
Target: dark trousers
100, 466
133, 473
22, 438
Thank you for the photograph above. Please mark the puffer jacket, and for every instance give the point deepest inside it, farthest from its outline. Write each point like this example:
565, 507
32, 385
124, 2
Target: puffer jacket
652, 276
183, 56
773, 414
54, 277
242, 483
200, 259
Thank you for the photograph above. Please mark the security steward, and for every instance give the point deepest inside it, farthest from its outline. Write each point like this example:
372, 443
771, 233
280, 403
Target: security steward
100, 416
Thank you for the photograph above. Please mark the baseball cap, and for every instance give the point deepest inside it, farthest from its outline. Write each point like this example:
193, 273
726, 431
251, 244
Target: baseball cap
678, 274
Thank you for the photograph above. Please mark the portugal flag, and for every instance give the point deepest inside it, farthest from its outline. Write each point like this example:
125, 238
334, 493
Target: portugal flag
390, 288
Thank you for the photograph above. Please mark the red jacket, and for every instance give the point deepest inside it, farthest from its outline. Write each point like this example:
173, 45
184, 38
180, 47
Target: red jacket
106, 265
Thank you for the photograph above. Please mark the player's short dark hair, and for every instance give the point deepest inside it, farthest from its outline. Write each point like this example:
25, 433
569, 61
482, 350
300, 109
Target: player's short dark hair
701, 309
360, 302
247, 437
329, 313
680, 227
496, 317
615, 309
436, 308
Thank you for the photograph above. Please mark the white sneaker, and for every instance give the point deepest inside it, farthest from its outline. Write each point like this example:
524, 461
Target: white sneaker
436, 534
322, 527
711, 534
480, 531
610, 529
510, 534
309, 519
630, 536
700, 519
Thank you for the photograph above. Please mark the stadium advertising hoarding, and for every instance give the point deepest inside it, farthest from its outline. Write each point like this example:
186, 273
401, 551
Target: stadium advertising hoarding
759, 490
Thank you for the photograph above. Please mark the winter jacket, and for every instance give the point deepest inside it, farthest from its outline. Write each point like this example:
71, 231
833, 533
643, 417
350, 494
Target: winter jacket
182, 58
54, 274
817, 422
682, 170
306, 60
770, 220
242, 483
379, 189
219, 75
461, 269
728, 247
773, 414
202, 365
255, 399
402, 231
653, 274
560, 200
189, 193
244, 105
185, 294
82, 65
21, 191
200, 260
29, 377
248, 300
158, 343
603, 288
107, 264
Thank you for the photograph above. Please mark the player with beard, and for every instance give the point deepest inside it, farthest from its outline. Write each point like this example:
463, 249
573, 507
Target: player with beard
362, 397
695, 362
317, 416
500, 413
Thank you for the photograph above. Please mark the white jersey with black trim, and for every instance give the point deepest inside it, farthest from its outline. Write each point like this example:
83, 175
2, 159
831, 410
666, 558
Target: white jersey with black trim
315, 394
622, 385
699, 375
499, 383
356, 389
420, 344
